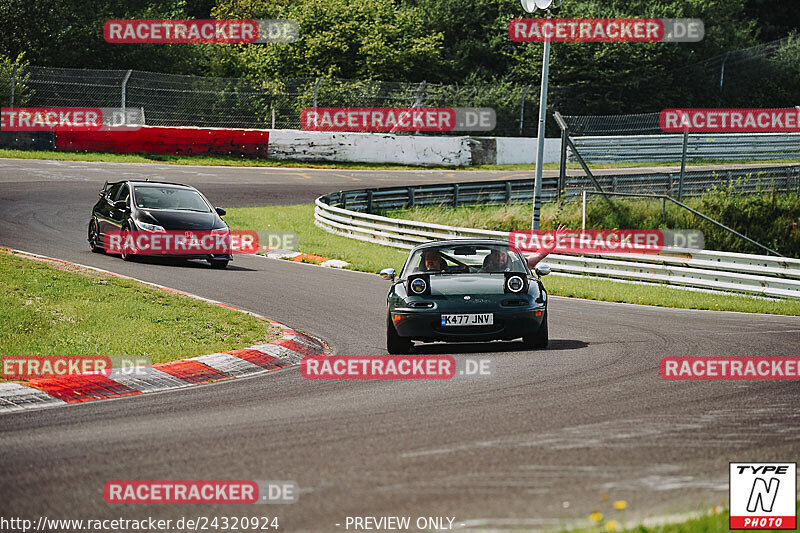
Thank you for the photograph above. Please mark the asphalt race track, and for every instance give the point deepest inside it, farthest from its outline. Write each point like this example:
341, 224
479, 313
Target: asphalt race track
540, 442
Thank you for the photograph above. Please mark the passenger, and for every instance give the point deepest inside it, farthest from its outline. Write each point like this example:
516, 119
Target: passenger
497, 261
432, 261
534, 259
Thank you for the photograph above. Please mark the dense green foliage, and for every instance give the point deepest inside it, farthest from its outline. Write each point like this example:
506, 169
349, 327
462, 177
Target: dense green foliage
441, 41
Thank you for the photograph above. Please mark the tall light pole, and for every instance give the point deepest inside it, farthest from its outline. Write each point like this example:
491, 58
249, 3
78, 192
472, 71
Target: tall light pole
530, 6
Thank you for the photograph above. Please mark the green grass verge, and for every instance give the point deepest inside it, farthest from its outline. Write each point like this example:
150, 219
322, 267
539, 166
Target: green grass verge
706, 523
712, 521
770, 219
203, 160
54, 309
370, 257
363, 256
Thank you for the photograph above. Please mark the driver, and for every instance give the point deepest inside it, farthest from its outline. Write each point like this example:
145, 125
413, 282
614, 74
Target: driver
496, 261
432, 261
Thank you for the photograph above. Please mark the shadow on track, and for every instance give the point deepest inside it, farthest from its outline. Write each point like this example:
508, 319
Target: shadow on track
493, 347
185, 263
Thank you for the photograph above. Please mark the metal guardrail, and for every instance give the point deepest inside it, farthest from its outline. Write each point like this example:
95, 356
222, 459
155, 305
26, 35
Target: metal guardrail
785, 178
768, 276
456, 194
701, 146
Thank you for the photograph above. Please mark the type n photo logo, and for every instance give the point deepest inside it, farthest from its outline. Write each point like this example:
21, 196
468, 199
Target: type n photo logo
763, 496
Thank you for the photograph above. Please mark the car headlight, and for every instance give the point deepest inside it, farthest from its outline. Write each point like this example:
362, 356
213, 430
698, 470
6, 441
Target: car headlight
418, 286
515, 284
149, 227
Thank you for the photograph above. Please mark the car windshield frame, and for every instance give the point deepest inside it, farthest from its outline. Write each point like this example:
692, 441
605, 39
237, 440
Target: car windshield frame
175, 190
457, 264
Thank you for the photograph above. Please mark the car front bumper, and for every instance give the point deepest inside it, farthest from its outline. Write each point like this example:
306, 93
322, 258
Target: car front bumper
427, 326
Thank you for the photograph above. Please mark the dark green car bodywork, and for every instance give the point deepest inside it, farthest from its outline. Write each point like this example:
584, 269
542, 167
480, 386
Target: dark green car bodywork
418, 317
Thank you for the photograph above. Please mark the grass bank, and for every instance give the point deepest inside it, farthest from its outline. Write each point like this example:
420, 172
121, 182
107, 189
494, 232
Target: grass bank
368, 257
56, 309
203, 160
770, 219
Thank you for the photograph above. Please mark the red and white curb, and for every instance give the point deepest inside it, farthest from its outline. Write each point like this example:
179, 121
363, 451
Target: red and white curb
46, 392
300, 257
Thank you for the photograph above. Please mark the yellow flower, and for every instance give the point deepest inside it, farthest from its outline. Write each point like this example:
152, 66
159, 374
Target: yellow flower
611, 525
620, 504
595, 516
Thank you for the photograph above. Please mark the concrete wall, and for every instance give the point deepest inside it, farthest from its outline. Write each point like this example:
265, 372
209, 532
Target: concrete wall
370, 148
522, 150
407, 149
159, 140
444, 150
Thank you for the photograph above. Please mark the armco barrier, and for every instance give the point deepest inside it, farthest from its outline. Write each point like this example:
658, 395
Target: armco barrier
776, 277
701, 146
158, 140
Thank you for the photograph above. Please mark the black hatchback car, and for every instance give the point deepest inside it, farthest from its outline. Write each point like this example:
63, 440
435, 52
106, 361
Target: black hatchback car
154, 206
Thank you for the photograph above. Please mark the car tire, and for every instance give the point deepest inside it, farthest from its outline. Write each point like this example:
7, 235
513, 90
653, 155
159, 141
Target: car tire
218, 263
123, 253
93, 236
539, 339
395, 344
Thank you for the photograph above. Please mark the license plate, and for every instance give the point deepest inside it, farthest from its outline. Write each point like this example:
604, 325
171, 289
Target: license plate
468, 320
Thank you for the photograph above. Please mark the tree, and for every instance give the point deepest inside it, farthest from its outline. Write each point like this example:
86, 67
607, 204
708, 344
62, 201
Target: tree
338, 38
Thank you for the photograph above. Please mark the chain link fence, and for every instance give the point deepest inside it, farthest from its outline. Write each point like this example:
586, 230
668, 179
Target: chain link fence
639, 138
179, 100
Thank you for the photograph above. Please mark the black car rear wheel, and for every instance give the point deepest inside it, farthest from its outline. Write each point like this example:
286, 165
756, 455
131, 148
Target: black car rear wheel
540, 338
93, 236
395, 344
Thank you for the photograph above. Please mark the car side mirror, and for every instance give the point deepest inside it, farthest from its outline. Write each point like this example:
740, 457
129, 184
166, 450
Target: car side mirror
221, 212
542, 270
388, 273
122, 205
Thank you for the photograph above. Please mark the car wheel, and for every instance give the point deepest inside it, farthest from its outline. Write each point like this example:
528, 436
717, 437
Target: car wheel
218, 263
395, 344
540, 338
124, 251
93, 236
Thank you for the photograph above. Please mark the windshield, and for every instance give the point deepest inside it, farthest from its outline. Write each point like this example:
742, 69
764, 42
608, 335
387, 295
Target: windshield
464, 259
169, 198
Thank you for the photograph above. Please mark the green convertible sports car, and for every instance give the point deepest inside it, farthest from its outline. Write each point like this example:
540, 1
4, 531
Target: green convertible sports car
463, 291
